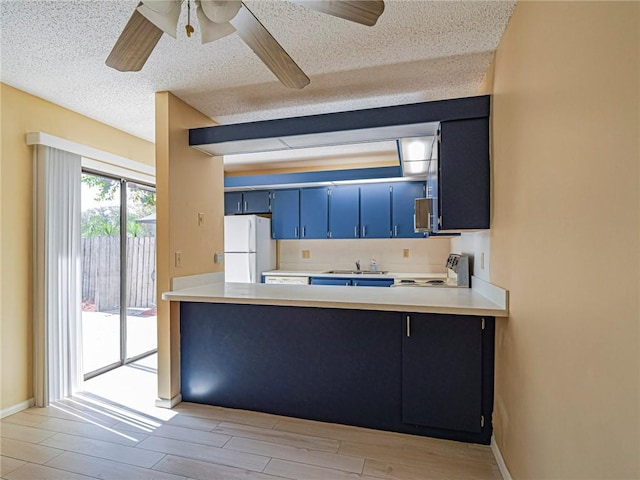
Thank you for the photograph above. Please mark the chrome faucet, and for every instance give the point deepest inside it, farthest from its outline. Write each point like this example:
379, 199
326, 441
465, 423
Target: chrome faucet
358, 265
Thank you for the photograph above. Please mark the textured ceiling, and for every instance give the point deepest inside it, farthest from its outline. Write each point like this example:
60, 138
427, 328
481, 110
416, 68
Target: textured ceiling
418, 51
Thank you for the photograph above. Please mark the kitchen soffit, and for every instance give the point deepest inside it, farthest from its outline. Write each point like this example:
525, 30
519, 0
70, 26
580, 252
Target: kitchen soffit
351, 127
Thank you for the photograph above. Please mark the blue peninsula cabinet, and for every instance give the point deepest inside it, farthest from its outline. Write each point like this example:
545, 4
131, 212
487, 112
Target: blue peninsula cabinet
431, 375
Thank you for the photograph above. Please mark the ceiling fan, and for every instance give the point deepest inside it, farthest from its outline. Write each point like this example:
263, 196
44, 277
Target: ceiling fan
219, 18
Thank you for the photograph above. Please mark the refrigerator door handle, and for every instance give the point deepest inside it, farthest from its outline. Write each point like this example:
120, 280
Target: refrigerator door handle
251, 267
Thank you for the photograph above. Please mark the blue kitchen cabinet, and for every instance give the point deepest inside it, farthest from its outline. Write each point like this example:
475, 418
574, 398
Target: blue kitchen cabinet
372, 282
314, 212
356, 367
344, 212
330, 281
403, 208
352, 281
285, 218
256, 202
232, 203
247, 202
463, 175
375, 210
450, 397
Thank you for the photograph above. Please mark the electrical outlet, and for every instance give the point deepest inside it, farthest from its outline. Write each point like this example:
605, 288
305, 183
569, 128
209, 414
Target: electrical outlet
306, 254
405, 253
178, 259
218, 257
200, 219
482, 260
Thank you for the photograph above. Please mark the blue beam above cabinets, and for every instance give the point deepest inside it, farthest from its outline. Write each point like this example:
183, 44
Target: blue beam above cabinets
368, 125
263, 181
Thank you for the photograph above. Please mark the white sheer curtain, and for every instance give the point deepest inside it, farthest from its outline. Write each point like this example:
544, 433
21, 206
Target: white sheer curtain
57, 275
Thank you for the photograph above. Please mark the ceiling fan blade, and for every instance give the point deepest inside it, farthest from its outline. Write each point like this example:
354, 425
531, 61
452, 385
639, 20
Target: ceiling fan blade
211, 31
135, 44
365, 12
267, 48
164, 14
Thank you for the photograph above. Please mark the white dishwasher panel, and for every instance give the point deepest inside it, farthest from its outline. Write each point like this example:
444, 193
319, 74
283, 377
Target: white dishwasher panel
290, 280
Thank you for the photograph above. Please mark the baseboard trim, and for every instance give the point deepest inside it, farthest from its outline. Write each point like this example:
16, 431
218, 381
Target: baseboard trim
504, 471
17, 407
169, 403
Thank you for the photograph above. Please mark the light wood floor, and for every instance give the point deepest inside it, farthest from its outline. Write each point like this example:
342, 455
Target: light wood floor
113, 431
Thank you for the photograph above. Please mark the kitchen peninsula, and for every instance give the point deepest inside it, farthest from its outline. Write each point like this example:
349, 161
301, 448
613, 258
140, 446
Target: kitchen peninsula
411, 360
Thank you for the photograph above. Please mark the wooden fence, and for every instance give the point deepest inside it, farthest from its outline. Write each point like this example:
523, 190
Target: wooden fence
101, 273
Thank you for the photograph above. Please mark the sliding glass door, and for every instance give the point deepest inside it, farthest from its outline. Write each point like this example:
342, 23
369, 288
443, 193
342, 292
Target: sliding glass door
118, 272
141, 271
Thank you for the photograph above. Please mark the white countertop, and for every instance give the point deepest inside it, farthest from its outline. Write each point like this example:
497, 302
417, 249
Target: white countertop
461, 301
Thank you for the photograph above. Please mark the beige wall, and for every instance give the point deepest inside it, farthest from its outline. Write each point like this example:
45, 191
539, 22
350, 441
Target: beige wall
188, 183
425, 255
23, 113
565, 240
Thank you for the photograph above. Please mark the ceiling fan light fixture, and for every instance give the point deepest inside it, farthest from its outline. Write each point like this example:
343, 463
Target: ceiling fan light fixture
211, 31
165, 21
220, 11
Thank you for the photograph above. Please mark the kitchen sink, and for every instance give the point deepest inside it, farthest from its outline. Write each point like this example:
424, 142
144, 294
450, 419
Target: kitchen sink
357, 272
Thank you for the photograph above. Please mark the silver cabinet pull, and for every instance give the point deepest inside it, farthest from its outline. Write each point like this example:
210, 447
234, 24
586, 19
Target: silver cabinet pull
304, 232
239, 210
295, 232
246, 205
408, 325
364, 230
355, 231
395, 230
347, 283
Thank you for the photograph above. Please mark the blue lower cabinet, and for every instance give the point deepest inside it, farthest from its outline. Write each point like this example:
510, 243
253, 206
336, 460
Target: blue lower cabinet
354, 367
454, 341
330, 281
352, 281
372, 282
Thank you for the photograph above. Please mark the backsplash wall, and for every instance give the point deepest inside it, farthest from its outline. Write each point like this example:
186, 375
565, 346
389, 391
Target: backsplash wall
425, 255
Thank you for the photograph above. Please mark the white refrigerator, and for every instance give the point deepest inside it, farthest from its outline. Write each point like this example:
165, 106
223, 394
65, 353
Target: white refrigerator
248, 248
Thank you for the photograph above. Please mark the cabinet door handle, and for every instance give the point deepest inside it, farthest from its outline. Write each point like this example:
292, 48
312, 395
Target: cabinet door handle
246, 205
408, 325
395, 230
239, 210
347, 283
304, 232
364, 230
295, 232
355, 231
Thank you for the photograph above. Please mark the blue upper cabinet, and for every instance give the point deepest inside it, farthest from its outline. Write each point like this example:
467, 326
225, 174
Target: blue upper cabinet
314, 212
285, 219
375, 210
232, 203
403, 208
464, 175
257, 202
247, 202
344, 212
